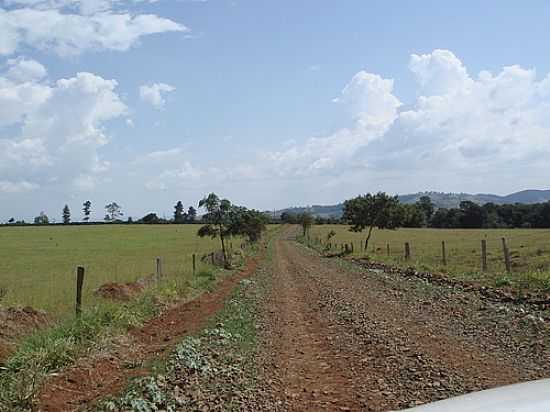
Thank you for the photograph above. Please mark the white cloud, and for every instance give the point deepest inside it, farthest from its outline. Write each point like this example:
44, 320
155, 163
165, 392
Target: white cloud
462, 126
153, 93
47, 27
60, 128
22, 70
16, 187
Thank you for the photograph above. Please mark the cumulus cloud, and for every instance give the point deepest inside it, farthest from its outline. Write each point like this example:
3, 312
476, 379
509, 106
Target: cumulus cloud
48, 25
59, 129
154, 93
461, 125
373, 109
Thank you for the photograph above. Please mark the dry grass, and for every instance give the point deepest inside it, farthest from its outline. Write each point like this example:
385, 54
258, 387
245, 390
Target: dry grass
529, 249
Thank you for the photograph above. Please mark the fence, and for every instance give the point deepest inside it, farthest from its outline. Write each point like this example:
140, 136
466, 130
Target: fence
465, 251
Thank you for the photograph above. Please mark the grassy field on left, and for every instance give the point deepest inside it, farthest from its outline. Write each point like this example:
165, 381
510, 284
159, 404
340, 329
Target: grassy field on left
37, 264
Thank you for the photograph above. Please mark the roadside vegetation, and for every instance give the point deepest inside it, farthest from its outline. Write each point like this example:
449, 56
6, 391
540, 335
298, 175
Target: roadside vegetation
102, 321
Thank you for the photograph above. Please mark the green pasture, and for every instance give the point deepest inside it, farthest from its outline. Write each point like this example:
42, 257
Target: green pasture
529, 250
37, 264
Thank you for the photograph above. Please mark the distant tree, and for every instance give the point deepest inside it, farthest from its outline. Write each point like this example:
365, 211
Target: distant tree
305, 220
114, 212
87, 209
150, 218
320, 220
41, 219
412, 215
179, 215
370, 211
66, 215
245, 222
427, 207
191, 215
289, 218
472, 215
130, 220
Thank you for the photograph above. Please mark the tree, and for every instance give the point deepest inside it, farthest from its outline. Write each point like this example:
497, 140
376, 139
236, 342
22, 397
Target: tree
87, 209
287, 217
472, 215
191, 215
41, 219
114, 212
305, 220
12, 220
150, 218
412, 215
249, 223
426, 205
179, 216
66, 215
370, 211
218, 220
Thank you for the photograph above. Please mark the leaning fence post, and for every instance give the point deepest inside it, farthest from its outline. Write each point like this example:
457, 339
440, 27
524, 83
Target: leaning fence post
407, 251
506, 256
443, 253
79, 283
483, 255
158, 269
194, 264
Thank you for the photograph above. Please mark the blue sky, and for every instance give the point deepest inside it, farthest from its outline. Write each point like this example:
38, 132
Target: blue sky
268, 103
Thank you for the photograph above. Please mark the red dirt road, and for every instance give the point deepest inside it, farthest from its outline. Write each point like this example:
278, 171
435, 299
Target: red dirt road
341, 338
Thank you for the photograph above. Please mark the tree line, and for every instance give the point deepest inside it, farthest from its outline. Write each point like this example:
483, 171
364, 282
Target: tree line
384, 211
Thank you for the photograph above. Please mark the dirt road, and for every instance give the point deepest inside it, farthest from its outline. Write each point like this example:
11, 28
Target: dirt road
338, 337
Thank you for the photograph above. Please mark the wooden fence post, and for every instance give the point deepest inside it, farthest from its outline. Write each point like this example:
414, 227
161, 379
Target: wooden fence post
352, 247
506, 256
407, 251
158, 269
443, 253
79, 283
212, 259
388, 249
483, 255
194, 264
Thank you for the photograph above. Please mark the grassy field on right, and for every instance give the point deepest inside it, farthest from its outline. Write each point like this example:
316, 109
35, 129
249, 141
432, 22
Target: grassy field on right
529, 251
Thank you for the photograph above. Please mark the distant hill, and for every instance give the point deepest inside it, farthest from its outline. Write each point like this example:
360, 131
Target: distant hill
446, 200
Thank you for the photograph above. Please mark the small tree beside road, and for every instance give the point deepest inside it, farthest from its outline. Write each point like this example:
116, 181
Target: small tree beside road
370, 211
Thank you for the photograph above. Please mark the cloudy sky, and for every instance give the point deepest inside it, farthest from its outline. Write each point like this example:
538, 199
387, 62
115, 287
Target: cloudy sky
271, 104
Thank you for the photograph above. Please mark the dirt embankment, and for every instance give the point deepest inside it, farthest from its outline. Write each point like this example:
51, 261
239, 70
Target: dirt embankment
340, 337
15, 323
95, 378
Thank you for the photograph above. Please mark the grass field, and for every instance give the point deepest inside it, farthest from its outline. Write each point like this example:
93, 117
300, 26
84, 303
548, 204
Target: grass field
529, 250
37, 264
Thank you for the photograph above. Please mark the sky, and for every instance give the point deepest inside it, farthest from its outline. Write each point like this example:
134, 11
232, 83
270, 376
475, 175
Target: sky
270, 104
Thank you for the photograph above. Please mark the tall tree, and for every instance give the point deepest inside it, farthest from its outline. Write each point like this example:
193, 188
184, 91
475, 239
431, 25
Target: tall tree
87, 209
191, 215
370, 211
426, 205
305, 220
179, 216
66, 215
218, 220
114, 212
41, 219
